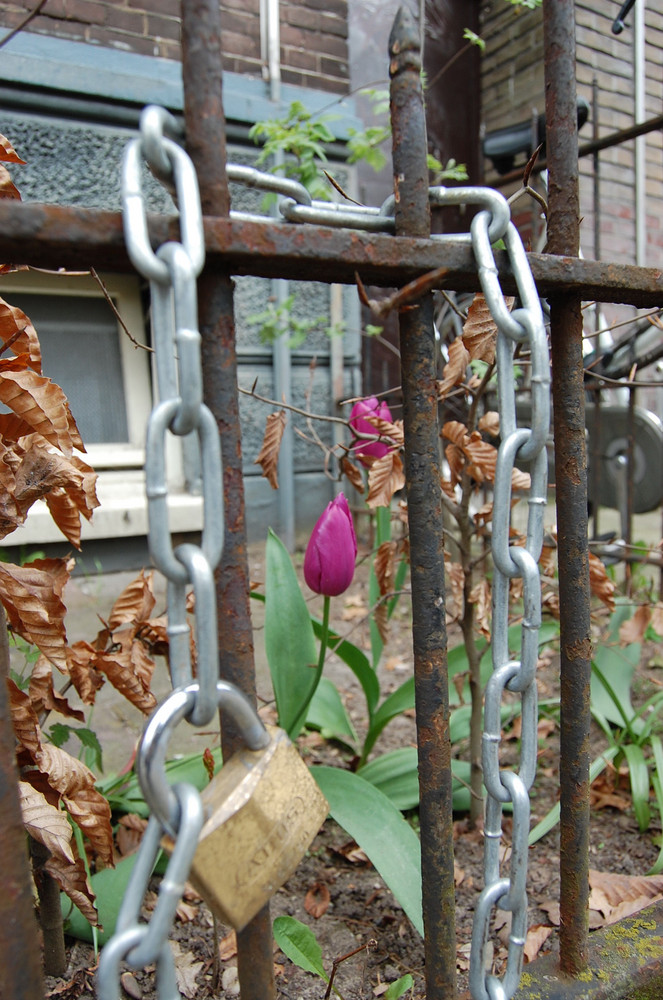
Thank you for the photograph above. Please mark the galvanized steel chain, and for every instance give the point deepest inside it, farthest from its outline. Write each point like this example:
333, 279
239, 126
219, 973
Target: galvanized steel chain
177, 811
522, 326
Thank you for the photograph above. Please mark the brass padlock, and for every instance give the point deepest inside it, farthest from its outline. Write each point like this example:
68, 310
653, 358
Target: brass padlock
262, 809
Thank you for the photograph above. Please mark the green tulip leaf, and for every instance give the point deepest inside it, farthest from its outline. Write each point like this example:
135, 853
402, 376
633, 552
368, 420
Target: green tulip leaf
380, 830
551, 819
357, 661
109, 887
400, 986
299, 944
639, 775
289, 640
399, 701
396, 775
327, 713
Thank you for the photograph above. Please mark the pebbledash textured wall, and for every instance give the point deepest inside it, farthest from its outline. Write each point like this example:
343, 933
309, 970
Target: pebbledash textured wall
314, 33
72, 84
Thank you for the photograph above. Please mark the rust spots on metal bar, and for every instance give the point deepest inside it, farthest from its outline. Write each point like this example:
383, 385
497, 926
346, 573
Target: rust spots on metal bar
78, 238
571, 480
202, 76
422, 474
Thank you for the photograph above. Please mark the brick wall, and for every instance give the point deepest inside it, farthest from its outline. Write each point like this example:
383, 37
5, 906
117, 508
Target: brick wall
314, 34
512, 86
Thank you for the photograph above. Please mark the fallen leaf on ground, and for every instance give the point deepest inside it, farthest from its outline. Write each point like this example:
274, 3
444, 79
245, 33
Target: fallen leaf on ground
186, 970
536, 937
317, 900
618, 896
228, 946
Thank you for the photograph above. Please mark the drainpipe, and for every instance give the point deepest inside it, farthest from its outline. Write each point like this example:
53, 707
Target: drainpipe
270, 42
641, 141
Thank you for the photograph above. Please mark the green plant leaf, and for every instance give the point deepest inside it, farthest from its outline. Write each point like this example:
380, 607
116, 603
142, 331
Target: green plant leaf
551, 819
396, 775
327, 713
380, 830
299, 944
289, 640
639, 775
656, 779
399, 701
125, 794
358, 663
400, 986
109, 887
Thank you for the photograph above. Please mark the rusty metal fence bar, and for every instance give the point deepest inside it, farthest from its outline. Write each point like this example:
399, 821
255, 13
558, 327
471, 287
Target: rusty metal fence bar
426, 525
72, 237
204, 120
571, 492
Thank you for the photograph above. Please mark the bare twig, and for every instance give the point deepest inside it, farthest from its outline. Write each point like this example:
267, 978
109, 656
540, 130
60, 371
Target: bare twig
344, 958
26, 20
288, 406
337, 187
402, 298
106, 295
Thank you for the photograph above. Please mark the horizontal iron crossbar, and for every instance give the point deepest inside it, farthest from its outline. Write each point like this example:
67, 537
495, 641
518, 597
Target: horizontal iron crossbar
57, 236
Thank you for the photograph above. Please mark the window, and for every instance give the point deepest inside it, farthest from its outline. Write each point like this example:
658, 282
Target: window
106, 379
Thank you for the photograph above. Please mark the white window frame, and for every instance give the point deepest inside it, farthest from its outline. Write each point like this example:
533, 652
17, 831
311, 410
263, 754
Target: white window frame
120, 466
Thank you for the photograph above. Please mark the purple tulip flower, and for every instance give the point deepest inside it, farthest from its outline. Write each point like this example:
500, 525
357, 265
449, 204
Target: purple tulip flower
329, 563
369, 407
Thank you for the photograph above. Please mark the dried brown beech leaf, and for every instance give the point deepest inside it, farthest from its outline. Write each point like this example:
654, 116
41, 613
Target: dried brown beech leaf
453, 372
489, 423
24, 719
125, 666
91, 811
618, 896
34, 471
43, 695
484, 514
455, 588
548, 560
352, 474
447, 487
7, 152
317, 900
390, 432
480, 329
32, 598
72, 879
600, 584
40, 402
384, 564
17, 331
385, 478
12, 427
7, 187
65, 773
228, 946
81, 668
46, 823
634, 629
456, 462
135, 603
381, 619
268, 459
153, 633
536, 938
480, 597
129, 833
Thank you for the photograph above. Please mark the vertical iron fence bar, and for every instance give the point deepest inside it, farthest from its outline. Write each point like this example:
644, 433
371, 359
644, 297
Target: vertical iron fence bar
20, 952
571, 480
422, 471
206, 143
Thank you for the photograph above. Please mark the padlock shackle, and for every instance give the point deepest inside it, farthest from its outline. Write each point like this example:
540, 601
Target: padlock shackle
151, 756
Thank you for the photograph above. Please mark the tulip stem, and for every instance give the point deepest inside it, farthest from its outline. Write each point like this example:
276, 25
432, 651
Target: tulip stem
324, 638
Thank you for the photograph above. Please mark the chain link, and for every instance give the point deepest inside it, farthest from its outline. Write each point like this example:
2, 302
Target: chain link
172, 272
523, 325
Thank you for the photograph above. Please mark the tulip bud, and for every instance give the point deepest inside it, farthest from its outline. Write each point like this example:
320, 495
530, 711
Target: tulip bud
329, 563
369, 407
